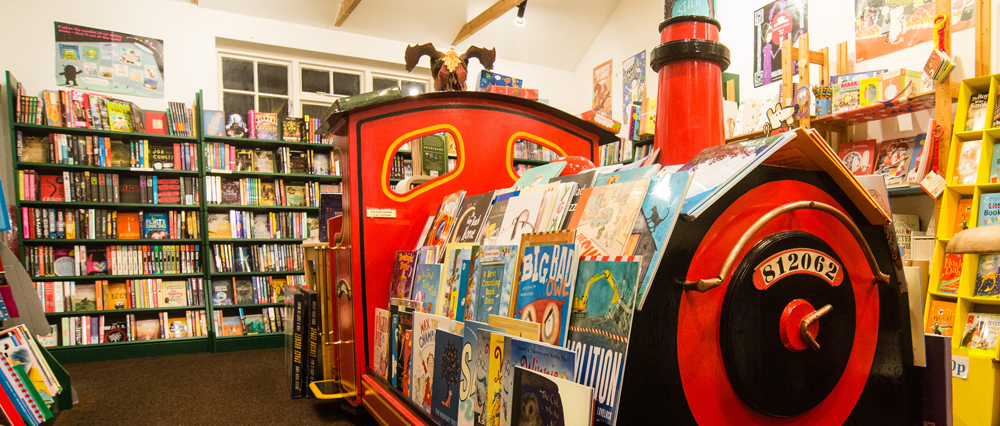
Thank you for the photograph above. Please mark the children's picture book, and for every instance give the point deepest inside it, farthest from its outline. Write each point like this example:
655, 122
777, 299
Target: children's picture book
156, 225
380, 351
515, 327
627, 175
940, 318
263, 161
859, 156
482, 353
989, 209
981, 331
963, 215
605, 216
918, 161
894, 160
494, 384
654, 225
444, 221
986, 276
402, 274
473, 372
951, 273
540, 175
601, 323
976, 117
447, 380
426, 284
401, 350
523, 215
494, 218
545, 289
471, 217
214, 122
558, 206
451, 298
548, 360
967, 165
537, 399
422, 371
995, 163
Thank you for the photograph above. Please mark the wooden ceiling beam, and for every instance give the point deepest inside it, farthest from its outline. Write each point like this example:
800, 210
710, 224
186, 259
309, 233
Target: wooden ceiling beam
346, 7
489, 15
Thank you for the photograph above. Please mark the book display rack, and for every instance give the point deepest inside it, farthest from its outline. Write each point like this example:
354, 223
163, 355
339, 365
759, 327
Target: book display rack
220, 229
961, 301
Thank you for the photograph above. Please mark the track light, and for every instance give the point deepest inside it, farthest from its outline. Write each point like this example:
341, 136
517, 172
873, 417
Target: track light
519, 21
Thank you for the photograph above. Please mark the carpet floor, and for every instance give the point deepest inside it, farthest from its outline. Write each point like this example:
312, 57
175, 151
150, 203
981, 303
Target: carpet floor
235, 388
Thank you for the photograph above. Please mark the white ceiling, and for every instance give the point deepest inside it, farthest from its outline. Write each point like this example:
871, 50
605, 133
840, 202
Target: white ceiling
557, 34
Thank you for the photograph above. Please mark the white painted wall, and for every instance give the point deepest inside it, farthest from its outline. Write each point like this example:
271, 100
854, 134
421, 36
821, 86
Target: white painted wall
189, 34
633, 27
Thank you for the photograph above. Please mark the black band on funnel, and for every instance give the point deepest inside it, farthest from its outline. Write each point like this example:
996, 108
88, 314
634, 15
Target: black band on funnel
678, 50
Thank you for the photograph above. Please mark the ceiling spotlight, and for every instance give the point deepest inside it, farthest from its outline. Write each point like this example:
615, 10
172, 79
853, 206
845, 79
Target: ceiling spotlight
519, 21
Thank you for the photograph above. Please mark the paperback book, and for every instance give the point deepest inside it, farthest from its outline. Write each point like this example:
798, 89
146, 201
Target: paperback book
859, 156
447, 380
951, 273
425, 327
605, 216
894, 160
986, 276
381, 342
976, 117
654, 225
981, 331
545, 288
989, 209
940, 318
493, 274
471, 218
444, 221
544, 359
537, 399
402, 275
963, 215
426, 285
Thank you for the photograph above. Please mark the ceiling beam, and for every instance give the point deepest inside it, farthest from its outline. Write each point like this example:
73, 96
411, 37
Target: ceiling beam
346, 7
489, 15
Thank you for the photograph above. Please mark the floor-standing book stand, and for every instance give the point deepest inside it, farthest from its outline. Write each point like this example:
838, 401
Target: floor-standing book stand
379, 221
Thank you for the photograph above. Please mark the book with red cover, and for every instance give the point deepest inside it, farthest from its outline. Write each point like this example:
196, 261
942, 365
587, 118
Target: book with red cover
156, 122
168, 191
52, 188
858, 156
951, 273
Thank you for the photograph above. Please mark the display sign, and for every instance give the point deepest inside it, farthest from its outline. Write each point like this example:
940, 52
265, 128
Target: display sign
885, 26
108, 61
633, 81
602, 89
779, 20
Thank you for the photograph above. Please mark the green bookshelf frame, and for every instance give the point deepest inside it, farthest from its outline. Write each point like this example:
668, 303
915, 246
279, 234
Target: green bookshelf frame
144, 348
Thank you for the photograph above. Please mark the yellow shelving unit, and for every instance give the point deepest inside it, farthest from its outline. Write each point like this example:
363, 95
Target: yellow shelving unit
976, 399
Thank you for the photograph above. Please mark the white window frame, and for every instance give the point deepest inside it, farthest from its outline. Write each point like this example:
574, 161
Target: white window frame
256, 93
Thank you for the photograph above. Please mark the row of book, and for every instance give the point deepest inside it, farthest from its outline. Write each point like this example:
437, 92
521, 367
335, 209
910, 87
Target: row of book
642, 151
247, 224
28, 382
989, 212
117, 328
90, 187
106, 152
302, 342
270, 320
988, 269
528, 150
263, 192
83, 110
78, 260
258, 125
104, 295
253, 290
980, 330
223, 156
81, 224
615, 152
401, 168
978, 117
257, 257
901, 161
503, 363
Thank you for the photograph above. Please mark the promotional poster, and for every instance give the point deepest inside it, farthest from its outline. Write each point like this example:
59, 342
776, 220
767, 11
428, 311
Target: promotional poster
777, 21
108, 61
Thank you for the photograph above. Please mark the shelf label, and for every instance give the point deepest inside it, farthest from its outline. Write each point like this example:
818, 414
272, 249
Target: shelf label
960, 366
381, 213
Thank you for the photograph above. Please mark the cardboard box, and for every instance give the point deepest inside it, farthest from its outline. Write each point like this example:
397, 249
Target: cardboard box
603, 121
530, 94
846, 96
489, 78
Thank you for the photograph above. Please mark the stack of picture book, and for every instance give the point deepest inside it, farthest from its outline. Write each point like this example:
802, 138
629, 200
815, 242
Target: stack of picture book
516, 305
29, 383
902, 161
83, 110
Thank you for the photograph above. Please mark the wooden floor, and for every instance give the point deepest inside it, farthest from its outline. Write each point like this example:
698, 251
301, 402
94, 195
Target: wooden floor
235, 388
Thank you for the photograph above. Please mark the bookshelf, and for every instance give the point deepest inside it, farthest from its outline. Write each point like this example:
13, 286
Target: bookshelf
261, 278
975, 398
613, 151
105, 243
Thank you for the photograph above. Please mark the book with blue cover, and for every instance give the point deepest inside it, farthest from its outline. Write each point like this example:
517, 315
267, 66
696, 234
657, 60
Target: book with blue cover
622, 176
989, 209
426, 285
600, 326
995, 161
493, 278
471, 369
456, 279
447, 381
540, 175
545, 289
554, 361
656, 222
538, 399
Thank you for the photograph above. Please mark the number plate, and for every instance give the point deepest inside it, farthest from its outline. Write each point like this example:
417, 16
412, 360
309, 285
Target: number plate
797, 261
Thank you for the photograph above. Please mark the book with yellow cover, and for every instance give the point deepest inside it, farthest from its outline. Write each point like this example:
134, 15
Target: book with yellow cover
117, 296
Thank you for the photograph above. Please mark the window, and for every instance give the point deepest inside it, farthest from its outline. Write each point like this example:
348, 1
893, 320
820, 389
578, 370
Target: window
251, 84
298, 86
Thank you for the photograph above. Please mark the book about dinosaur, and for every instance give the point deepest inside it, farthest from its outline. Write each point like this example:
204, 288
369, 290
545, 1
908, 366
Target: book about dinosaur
545, 288
601, 323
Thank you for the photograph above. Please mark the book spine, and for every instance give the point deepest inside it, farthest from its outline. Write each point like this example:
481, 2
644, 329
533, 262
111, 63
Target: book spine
298, 328
312, 371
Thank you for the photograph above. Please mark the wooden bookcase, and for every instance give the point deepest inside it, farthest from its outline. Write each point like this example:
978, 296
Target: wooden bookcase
976, 399
103, 351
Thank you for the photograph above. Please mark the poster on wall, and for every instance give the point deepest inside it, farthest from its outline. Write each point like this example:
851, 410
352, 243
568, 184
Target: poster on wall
777, 21
633, 80
108, 61
602, 89
885, 26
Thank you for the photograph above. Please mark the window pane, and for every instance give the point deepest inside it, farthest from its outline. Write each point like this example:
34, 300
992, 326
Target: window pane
346, 84
410, 88
315, 81
275, 105
272, 79
237, 74
314, 111
380, 84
